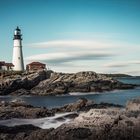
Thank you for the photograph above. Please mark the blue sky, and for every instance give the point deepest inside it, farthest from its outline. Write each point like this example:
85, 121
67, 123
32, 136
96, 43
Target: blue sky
74, 35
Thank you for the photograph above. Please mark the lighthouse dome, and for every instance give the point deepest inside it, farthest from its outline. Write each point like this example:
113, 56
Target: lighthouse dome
17, 31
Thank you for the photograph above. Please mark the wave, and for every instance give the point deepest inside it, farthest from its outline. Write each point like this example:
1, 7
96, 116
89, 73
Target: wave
44, 123
93, 93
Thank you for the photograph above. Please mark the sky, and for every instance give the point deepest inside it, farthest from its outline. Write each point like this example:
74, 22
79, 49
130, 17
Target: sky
74, 35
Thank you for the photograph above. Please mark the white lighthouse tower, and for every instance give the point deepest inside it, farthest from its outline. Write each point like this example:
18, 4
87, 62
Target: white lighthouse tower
17, 51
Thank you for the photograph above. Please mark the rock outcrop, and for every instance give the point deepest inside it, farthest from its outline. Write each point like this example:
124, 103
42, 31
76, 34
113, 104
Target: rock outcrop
26, 82
133, 105
60, 83
19, 109
103, 124
52, 83
76, 106
100, 124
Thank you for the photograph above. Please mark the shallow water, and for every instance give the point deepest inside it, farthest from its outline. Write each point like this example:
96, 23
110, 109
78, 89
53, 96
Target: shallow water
116, 96
130, 80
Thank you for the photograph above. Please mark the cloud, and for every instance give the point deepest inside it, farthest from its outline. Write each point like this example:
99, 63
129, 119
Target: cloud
122, 63
133, 72
72, 50
111, 65
63, 57
135, 62
84, 44
96, 44
78, 55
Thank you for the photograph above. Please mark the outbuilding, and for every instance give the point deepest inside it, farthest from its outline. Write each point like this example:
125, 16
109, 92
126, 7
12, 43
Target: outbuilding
34, 66
6, 66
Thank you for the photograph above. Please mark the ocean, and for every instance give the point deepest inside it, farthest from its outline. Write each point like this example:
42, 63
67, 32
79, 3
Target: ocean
116, 96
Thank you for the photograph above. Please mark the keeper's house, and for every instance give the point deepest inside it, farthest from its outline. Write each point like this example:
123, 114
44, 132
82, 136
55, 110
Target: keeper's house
6, 66
35, 66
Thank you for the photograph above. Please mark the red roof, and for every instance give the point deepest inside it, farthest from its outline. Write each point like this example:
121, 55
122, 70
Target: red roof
36, 63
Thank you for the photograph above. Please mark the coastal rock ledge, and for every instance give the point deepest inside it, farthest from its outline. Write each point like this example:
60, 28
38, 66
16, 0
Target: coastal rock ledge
103, 123
52, 83
62, 83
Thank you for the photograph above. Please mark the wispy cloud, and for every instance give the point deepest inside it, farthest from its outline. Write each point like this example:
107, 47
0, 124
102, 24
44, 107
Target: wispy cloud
118, 64
72, 50
62, 57
78, 55
95, 44
135, 62
74, 43
122, 63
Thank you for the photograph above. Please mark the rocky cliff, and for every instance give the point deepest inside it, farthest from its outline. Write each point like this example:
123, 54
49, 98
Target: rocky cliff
52, 83
21, 84
61, 83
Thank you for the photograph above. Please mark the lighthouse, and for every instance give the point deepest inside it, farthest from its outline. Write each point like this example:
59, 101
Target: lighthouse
17, 51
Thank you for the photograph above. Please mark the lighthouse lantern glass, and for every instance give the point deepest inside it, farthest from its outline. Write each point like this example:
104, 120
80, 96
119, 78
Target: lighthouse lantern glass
17, 32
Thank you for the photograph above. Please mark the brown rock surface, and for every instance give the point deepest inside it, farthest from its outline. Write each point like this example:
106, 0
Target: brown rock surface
61, 83
133, 105
99, 124
25, 81
19, 109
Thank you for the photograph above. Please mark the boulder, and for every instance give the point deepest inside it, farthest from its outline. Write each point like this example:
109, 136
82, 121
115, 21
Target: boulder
26, 82
82, 102
98, 117
20, 109
133, 105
